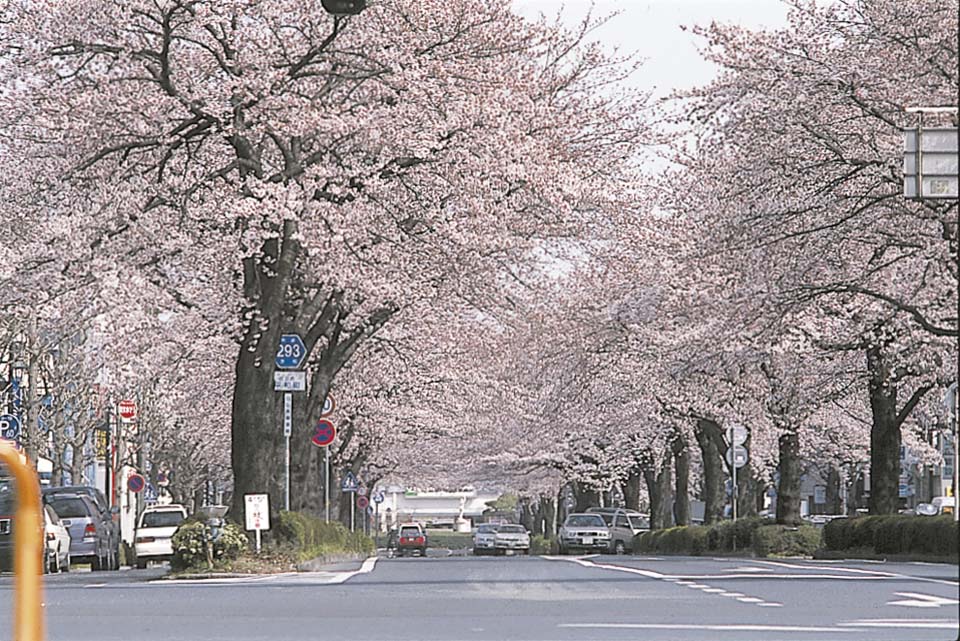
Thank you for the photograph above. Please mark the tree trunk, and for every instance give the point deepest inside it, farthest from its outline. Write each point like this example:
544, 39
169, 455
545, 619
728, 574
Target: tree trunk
708, 435
548, 508
884, 437
833, 491
585, 497
631, 490
660, 491
681, 503
747, 492
788, 491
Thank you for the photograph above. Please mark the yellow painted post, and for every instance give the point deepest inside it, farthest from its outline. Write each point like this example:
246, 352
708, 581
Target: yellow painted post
28, 542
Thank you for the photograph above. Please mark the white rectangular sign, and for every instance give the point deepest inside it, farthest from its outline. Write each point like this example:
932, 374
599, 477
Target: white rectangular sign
257, 511
291, 381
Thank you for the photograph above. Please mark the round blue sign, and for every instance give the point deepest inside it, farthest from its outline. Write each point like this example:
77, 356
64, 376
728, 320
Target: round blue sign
136, 483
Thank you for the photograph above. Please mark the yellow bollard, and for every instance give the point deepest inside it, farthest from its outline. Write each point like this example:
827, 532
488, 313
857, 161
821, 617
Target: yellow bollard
28, 540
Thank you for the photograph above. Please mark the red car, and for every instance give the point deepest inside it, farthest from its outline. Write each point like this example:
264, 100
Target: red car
412, 537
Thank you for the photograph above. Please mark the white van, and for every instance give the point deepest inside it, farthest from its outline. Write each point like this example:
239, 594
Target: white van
155, 529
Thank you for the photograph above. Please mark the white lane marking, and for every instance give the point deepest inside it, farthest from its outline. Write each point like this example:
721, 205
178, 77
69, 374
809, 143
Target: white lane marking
770, 604
748, 568
861, 571
679, 582
662, 577
902, 623
733, 594
95, 585
693, 626
365, 568
714, 590
916, 600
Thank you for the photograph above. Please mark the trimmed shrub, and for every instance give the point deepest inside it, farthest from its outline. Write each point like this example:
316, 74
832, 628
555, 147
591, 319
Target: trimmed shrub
189, 545
894, 534
785, 541
543, 545
311, 537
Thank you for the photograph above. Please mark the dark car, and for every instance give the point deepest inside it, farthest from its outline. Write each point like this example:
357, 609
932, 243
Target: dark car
412, 538
104, 511
89, 535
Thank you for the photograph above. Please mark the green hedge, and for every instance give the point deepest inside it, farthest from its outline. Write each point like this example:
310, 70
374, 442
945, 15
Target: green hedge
753, 534
894, 534
311, 537
543, 545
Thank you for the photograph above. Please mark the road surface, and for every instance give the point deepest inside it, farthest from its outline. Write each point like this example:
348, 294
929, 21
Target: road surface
514, 598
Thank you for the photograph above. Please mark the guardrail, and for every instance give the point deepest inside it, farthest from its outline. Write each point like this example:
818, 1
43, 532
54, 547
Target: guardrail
28, 551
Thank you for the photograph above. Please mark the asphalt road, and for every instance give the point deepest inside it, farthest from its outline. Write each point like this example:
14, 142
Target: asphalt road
514, 598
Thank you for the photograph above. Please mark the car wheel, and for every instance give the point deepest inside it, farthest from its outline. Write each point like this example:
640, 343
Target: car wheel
65, 566
141, 564
55, 562
619, 548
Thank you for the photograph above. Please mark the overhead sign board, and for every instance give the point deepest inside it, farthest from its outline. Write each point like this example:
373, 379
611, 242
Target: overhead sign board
257, 511
291, 353
289, 381
930, 163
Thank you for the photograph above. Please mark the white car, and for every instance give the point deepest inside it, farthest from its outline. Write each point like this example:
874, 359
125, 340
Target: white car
57, 540
512, 538
155, 529
485, 539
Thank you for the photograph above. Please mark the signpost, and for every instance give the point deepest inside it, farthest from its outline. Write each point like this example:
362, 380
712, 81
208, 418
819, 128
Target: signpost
363, 502
136, 483
350, 484
289, 381
328, 406
127, 410
9, 427
290, 356
291, 353
736, 457
377, 500
257, 514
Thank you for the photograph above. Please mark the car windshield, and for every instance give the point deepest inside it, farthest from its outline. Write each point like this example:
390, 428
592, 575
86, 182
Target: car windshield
409, 531
166, 518
486, 529
584, 520
512, 529
638, 522
69, 508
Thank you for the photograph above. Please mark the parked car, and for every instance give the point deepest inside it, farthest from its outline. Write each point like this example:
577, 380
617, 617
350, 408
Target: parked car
623, 525
105, 512
7, 507
512, 538
584, 531
412, 538
57, 542
89, 535
484, 539
155, 529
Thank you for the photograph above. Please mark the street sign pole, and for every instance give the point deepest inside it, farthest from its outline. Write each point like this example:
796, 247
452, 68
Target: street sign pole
733, 501
326, 484
287, 428
353, 520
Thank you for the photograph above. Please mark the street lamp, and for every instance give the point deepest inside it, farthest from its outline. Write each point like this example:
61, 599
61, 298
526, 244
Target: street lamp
344, 7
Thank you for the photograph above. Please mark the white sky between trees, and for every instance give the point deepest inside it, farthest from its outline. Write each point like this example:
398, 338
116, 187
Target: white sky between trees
652, 29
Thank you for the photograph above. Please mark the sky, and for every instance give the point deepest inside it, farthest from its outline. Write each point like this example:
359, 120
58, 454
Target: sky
652, 29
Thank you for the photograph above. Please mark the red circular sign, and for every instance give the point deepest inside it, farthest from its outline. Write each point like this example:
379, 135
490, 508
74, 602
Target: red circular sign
127, 409
323, 433
136, 483
362, 502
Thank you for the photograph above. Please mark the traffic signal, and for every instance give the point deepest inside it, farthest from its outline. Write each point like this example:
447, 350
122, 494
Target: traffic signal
344, 7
